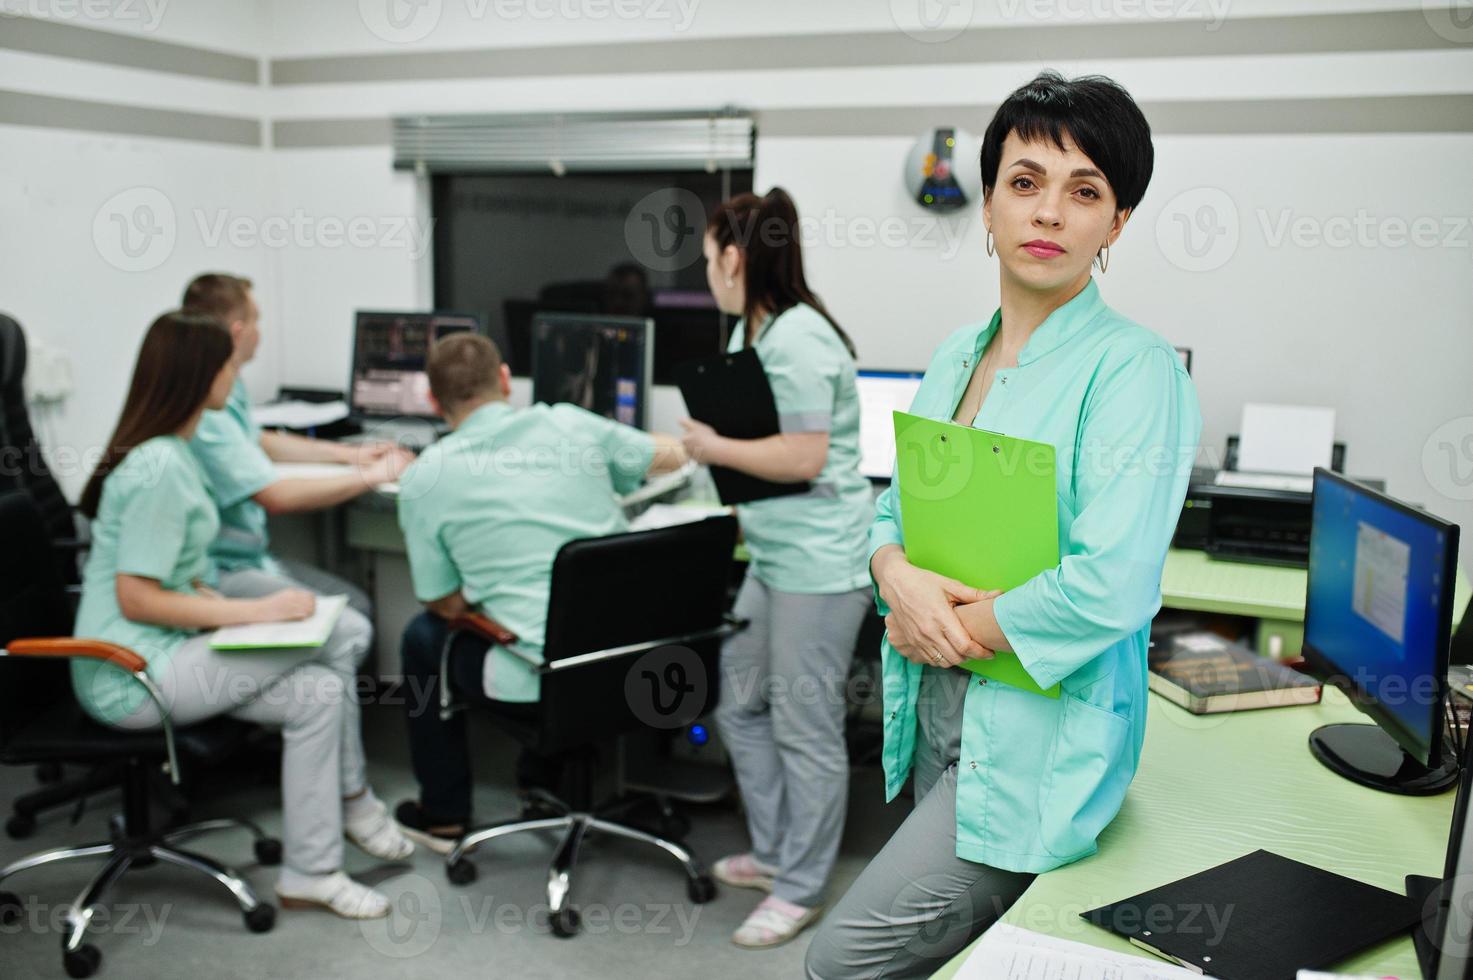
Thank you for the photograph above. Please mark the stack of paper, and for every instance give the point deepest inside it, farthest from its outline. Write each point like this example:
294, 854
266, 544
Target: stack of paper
1006, 952
299, 414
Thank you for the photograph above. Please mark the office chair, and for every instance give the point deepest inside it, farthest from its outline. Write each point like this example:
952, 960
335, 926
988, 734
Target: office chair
41, 721
633, 639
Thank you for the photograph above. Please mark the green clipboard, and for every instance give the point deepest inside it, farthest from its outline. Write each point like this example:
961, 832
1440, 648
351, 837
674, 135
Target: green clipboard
979, 507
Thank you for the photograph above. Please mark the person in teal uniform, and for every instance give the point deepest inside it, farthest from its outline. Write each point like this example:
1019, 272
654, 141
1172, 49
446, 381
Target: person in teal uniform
144, 587
783, 679
484, 512
1010, 784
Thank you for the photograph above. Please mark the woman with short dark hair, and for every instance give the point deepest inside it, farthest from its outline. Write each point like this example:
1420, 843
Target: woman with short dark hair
1010, 783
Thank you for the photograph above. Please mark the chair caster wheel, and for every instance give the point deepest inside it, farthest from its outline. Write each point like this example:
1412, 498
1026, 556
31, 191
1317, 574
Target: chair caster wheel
462, 872
261, 918
20, 826
701, 890
268, 851
566, 923
10, 908
82, 962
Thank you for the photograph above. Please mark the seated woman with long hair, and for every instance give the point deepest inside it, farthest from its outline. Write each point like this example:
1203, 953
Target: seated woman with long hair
145, 587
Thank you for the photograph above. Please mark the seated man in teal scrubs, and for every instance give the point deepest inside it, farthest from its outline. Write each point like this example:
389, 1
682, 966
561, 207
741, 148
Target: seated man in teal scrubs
484, 512
237, 458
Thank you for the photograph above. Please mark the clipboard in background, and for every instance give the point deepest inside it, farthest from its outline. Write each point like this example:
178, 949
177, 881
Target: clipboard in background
731, 394
979, 507
1259, 917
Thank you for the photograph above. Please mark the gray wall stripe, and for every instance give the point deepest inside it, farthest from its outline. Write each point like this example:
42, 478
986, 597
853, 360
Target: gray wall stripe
1397, 30
25, 109
62, 40
331, 132
1381, 114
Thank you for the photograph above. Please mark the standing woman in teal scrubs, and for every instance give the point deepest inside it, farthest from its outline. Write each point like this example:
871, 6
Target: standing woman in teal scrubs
1008, 783
145, 587
781, 713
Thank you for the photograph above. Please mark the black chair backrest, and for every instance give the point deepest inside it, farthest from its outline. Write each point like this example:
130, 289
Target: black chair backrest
22, 466
33, 602
627, 589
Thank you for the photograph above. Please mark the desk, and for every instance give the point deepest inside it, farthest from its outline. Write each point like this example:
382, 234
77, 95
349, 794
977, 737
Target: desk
1272, 594
1211, 788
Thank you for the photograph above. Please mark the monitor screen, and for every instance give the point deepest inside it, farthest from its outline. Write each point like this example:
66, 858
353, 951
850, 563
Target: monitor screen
881, 393
389, 352
601, 363
1377, 614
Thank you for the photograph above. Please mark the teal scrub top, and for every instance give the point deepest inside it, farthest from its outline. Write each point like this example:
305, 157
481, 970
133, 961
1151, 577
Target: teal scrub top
1038, 778
156, 520
485, 509
228, 446
812, 542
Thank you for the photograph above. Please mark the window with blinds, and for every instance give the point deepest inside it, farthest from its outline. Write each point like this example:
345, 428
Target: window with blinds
570, 143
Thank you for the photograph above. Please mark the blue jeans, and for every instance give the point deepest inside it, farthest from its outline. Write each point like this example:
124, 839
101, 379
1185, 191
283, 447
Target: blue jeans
438, 749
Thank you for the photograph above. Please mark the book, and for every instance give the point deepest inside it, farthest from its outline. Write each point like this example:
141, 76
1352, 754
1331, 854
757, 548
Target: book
1258, 917
310, 632
979, 507
1206, 674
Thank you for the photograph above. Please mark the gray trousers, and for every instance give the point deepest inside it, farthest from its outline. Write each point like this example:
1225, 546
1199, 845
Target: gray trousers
917, 904
781, 717
310, 694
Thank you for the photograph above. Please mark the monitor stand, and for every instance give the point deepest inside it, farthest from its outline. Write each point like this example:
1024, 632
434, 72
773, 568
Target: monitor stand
1367, 755
1430, 895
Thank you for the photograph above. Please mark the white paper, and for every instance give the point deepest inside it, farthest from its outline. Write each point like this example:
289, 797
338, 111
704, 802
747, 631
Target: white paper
299, 414
1265, 481
1007, 952
310, 632
660, 485
669, 515
1285, 438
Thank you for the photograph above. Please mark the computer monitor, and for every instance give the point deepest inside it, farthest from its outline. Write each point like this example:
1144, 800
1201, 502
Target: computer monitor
1185, 353
389, 350
1377, 622
882, 393
601, 363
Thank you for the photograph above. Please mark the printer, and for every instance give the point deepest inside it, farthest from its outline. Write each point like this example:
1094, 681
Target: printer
1264, 521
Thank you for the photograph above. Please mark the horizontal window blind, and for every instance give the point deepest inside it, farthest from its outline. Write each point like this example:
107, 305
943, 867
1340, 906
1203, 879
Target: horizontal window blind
563, 143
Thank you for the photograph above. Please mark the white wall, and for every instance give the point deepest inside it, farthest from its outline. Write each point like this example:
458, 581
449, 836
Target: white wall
1382, 332
64, 274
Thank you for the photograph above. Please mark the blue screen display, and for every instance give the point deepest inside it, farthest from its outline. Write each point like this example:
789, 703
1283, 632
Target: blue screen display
1375, 606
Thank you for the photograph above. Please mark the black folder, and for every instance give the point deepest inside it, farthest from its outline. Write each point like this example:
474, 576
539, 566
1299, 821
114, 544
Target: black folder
1259, 917
730, 393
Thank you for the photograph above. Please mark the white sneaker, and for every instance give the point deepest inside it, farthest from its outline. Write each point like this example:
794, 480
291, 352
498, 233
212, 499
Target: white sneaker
338, 894
743, 871
773, 923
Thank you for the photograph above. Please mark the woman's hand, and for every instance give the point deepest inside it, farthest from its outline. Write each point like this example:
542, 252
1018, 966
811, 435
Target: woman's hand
285, 606
701, 442
923, 625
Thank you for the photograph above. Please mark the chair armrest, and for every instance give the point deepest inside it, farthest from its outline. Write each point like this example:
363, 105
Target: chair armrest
483, 626
112, 653
67, 646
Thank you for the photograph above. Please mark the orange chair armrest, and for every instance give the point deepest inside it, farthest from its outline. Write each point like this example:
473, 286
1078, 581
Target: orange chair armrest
485, 627
70, 646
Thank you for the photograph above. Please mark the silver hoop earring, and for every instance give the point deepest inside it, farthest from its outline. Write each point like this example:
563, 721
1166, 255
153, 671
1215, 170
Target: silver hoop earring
1104, 257
990, 249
